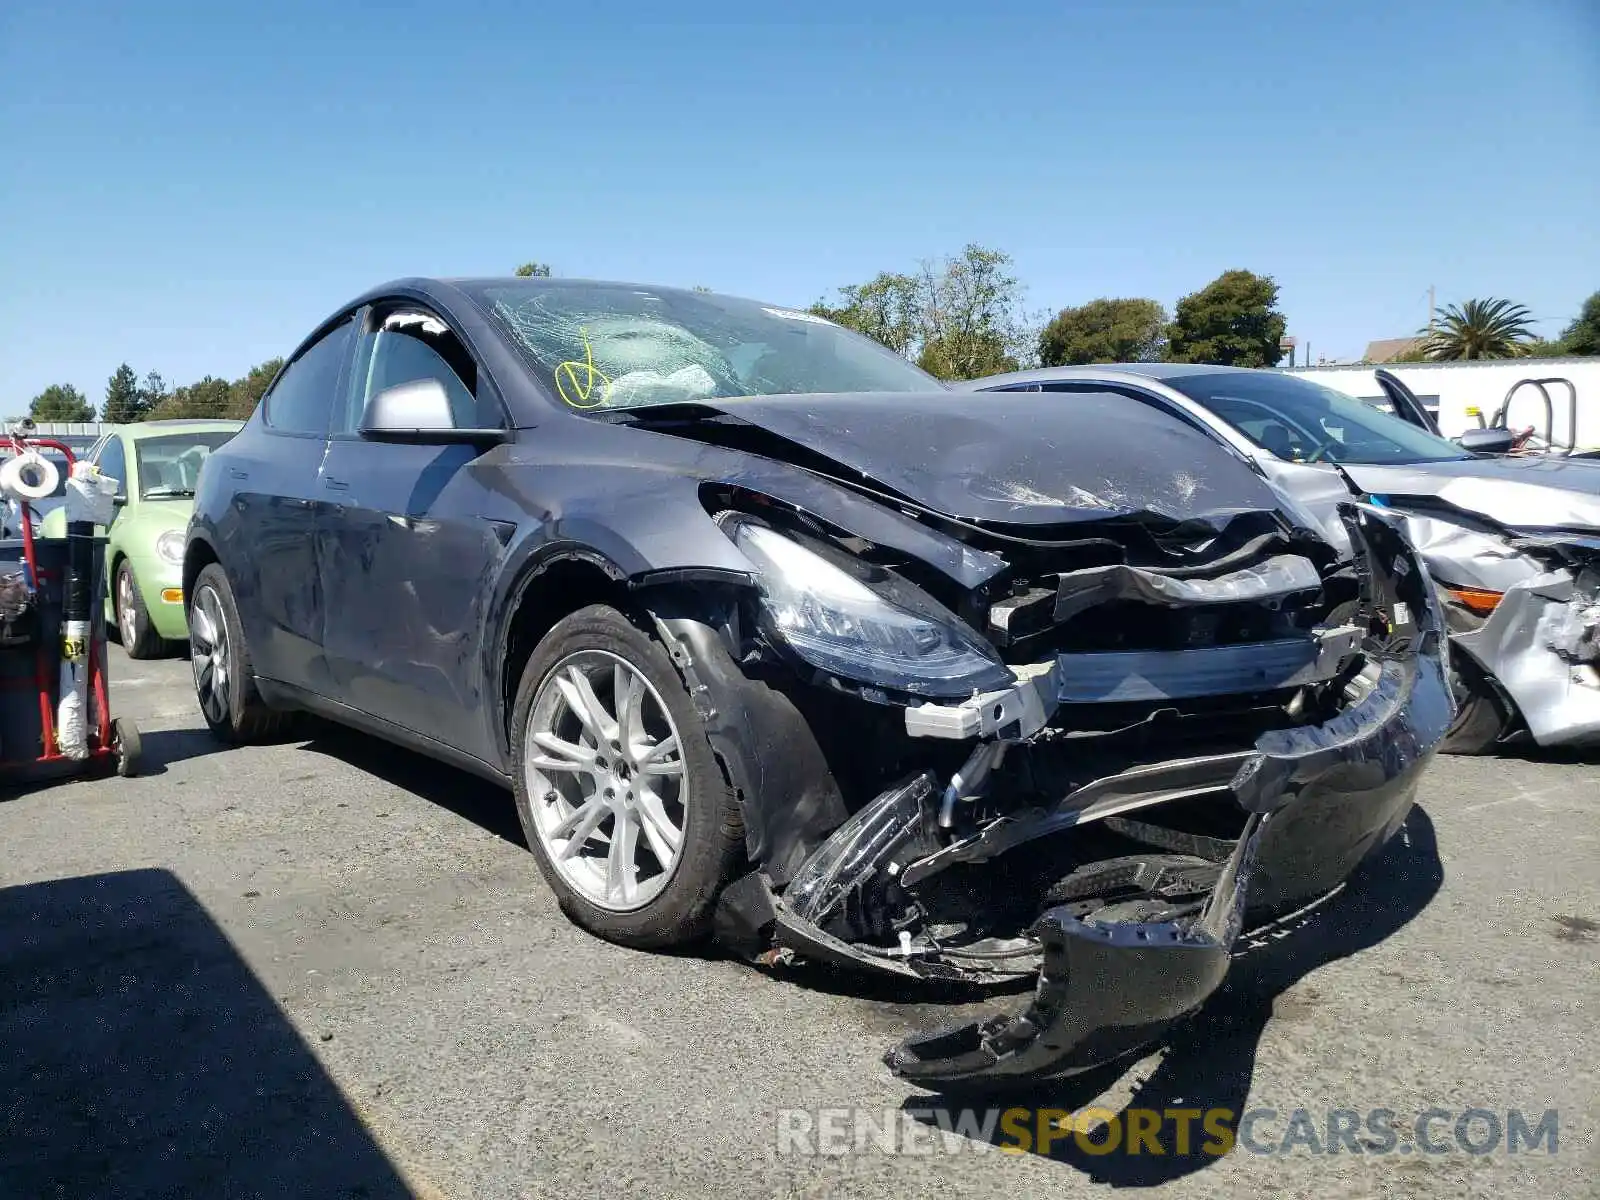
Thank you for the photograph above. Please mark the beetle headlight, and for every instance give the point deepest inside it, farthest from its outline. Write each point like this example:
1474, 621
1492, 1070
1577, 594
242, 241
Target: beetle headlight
170, 547
840, 624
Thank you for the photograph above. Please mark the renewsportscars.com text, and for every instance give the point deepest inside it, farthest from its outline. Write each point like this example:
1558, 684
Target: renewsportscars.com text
1175, 1131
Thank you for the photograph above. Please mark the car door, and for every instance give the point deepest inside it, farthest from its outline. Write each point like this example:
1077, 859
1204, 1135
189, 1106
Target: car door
274, 478
406, 543
1406, 405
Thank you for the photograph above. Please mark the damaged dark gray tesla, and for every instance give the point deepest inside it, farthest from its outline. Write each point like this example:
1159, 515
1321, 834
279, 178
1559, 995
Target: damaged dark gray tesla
777, 638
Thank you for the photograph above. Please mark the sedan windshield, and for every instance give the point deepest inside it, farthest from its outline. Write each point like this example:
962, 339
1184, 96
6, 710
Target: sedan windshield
169, 465
616, 346
1301, 421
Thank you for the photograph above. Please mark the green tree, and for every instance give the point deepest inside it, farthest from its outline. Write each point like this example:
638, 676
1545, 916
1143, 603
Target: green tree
208, 398
152, 394
1232, 321
1478, 329
61, 402
123, 402
1104, 331
1583, 335
972, 307
1544, 348
246, 392
968, 357
536, 270
959, 317
887, 308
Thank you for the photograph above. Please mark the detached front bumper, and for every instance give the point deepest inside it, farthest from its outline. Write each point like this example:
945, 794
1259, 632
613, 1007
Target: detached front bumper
1318, 800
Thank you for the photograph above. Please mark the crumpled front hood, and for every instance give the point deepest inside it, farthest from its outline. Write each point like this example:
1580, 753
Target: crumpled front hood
1016, 458
1535, 492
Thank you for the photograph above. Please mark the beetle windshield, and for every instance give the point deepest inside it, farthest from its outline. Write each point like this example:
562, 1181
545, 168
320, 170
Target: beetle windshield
169, 465
618, 346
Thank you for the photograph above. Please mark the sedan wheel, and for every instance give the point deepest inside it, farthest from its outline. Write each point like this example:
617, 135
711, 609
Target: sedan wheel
138, 635
607, 781
125, 607
1485, 718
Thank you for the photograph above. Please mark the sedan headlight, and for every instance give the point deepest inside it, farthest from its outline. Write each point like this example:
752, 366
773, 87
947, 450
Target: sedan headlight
170, 547
839, 624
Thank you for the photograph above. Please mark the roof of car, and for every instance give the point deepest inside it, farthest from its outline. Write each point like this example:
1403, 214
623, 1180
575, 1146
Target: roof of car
1150, 370
433, 286
138, 429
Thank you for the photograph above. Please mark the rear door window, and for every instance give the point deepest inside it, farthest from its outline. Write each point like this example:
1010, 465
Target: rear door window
303, 398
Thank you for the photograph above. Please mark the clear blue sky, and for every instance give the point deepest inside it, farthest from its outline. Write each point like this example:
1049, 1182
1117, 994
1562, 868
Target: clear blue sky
189, 187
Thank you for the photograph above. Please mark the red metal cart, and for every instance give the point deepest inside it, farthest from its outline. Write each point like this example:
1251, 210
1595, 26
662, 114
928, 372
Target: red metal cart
31, 652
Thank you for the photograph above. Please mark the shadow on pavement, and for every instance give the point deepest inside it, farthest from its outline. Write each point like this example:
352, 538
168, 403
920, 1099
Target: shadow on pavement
1208, 1061
141, 1057
468, 796
1531, 752
160, 748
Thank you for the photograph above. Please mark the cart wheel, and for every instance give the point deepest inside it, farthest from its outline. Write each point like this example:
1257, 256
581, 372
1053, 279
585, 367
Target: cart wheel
125, 740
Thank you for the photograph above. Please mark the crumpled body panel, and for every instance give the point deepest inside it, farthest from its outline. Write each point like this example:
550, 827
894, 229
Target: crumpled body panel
1278, 576
1319, 800
1542, 645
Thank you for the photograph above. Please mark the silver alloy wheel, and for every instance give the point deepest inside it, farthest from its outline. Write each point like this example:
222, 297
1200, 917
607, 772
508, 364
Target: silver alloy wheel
606, 780
125, 614
209, 654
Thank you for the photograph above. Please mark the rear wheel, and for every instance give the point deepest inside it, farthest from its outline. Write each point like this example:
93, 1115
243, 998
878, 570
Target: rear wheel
1484, 716
621, 799
223, 680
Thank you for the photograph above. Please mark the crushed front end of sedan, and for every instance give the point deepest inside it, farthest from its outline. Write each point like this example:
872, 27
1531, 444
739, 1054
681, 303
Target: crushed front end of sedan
1084, 752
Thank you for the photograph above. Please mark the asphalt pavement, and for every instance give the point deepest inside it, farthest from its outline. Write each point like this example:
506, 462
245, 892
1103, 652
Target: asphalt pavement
328, 967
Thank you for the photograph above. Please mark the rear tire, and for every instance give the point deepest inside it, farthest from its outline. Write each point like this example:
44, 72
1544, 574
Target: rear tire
1484, 717
574, 755
225, 684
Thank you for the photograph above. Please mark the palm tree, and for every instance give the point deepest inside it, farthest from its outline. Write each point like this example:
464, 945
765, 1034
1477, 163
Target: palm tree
1478, 329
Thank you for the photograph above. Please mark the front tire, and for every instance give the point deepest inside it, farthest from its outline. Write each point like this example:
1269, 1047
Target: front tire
1484, 717
139, 637
620, 796
223, 679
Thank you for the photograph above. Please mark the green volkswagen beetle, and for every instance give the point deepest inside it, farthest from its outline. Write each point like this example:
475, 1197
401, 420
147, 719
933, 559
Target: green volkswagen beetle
158, 464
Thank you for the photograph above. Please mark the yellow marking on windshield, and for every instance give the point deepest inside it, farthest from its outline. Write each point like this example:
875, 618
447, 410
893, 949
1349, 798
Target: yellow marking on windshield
575, 392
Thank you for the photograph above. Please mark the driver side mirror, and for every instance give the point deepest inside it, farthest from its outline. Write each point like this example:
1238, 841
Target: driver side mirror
1487, 441
418, 413
120, 500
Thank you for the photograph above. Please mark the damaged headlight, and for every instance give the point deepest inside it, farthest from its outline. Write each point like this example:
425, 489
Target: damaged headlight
840, 624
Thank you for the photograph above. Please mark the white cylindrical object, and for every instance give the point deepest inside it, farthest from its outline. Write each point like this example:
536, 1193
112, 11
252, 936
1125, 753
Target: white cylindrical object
72, 727
29, 475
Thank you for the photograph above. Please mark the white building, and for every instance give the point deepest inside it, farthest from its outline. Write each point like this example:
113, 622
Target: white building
1452, 390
